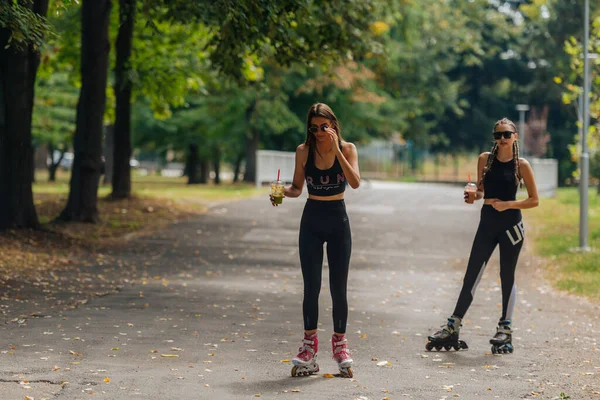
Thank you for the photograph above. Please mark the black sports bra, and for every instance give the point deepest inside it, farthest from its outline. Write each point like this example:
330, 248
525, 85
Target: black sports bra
324, 182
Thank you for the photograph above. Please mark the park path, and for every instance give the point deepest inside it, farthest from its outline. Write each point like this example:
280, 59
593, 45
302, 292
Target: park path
218, 315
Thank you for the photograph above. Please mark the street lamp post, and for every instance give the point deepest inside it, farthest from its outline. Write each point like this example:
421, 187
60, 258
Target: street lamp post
522, 108
584, 165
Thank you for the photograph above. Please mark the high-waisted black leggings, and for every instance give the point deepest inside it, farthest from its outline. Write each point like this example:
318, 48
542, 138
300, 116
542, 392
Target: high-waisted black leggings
325, 221
495, 228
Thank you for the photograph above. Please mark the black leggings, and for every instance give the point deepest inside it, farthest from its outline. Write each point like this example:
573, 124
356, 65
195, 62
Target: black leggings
495, 228
325, 221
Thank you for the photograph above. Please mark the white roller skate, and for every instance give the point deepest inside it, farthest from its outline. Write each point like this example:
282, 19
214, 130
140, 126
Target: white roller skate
341, 355
305, 363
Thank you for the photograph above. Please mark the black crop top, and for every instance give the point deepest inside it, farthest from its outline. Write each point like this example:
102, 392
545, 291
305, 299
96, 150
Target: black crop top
324, 182
500, 182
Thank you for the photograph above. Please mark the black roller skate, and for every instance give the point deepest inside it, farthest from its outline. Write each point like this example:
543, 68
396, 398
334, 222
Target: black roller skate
502, 340
447, 337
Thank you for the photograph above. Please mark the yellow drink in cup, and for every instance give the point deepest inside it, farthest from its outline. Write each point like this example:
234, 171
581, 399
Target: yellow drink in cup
277, 191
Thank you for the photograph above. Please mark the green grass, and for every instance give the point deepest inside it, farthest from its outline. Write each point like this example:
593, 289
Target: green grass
175, 189
556, 235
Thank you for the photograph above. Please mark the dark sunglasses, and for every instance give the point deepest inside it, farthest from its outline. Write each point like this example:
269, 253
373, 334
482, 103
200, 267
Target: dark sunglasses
505, 135
315, 129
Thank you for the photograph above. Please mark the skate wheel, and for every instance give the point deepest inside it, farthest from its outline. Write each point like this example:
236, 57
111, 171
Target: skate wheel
438, 348
457, 348
294, 371
428, 346
494, 351
447, 348
347, 373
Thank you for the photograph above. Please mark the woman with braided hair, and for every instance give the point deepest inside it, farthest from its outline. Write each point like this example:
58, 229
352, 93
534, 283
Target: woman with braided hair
499, 173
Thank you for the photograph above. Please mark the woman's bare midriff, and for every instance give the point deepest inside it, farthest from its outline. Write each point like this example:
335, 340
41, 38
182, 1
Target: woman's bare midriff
327, 198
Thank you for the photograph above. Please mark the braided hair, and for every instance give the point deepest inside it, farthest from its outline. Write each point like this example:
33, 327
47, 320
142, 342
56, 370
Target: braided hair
494, 152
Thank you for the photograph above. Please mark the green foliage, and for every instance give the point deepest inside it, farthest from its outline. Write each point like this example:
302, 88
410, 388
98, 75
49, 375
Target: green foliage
304, 31
572, 83
54, 111
25, 26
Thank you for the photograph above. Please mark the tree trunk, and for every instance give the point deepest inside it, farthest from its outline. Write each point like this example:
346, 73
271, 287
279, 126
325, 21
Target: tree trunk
237, 167
204, 170
85, 176
109, 154
192, 165
52, 172
123, 88
32, 164
53, 166
251, 147
252, 143
217, 165
18, 70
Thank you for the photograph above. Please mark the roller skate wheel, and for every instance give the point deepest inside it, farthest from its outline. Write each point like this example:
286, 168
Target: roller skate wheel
347, 372
438, 348
447, 348
428, 346
294, 371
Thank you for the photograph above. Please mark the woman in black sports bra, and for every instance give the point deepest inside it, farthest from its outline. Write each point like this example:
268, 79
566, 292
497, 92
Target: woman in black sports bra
499, 173
327, 164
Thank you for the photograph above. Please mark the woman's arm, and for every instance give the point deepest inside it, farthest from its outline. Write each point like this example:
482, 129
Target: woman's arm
348, 159
481, 161
295, 189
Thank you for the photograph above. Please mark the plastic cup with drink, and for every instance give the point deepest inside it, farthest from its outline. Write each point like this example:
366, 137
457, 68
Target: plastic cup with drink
471, 191
277, 190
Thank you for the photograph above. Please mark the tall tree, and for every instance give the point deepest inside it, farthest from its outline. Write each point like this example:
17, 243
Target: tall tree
121, 179
22, 27
308, 30
87, 144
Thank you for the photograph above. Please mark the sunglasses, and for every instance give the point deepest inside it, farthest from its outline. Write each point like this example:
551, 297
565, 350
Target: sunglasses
505, 135
315, 129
